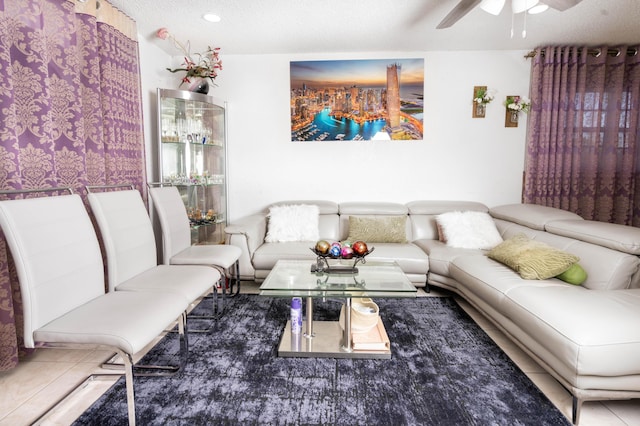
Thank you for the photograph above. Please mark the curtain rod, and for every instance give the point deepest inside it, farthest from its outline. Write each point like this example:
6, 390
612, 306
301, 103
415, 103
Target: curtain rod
631, 51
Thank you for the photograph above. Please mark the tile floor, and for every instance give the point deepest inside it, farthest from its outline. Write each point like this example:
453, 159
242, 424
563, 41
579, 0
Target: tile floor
28, 391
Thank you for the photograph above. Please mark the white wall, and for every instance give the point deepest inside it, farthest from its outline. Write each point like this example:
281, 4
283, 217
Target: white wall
459, 158
153, 76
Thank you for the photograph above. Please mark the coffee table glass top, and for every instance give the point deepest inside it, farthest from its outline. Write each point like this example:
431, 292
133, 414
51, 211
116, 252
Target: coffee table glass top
293, 278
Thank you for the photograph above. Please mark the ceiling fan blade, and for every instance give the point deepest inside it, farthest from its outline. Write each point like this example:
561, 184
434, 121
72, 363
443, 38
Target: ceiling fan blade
561, 4
417, 16
461, 9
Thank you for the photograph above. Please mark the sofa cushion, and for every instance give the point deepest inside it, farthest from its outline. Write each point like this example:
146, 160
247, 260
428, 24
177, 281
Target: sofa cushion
292, 223
369, 208
411, 259
441, 255
607, 269
531, 215
585, 335
617, 237
470, 229
487, 282
266, 256
435, 207
532, 259
384, 229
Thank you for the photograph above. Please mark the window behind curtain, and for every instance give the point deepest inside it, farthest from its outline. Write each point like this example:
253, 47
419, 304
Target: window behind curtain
582, 144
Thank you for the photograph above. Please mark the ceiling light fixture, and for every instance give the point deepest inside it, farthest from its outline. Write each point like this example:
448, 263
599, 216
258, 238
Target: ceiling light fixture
211, 17
539, 8
519, 6
493, 7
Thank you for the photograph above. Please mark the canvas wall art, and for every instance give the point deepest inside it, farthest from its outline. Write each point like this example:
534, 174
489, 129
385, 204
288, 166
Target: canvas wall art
357, 100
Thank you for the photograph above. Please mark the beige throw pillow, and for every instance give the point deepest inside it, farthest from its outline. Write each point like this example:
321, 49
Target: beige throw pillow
389, 229
533, 260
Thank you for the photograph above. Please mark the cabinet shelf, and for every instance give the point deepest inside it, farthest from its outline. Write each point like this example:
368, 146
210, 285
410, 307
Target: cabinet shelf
192, 151
204, 145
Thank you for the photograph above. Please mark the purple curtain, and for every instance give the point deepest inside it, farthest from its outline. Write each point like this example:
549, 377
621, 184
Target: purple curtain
583, 151
70, 108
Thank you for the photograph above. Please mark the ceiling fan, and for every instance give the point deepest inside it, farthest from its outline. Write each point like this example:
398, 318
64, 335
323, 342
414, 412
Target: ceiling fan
495, 7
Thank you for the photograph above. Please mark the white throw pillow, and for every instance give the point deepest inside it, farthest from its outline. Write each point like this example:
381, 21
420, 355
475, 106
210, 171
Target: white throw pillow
470, 229
293, 223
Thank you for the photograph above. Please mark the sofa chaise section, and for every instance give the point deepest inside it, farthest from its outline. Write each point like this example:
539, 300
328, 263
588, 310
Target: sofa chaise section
583, 335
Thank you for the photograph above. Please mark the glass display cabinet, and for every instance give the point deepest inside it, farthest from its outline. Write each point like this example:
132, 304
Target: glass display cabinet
192, 130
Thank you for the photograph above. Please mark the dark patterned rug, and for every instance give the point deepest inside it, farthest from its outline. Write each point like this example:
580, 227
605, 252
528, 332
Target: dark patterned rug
444, 371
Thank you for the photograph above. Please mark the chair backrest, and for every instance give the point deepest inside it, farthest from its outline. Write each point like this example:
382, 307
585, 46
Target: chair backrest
176, 233
57, 256
127, 234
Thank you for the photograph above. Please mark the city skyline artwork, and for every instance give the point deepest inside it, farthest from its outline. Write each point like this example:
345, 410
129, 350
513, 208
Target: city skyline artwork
357, 100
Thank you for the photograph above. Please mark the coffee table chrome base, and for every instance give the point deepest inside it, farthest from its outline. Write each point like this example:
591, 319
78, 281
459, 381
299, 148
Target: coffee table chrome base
326, 343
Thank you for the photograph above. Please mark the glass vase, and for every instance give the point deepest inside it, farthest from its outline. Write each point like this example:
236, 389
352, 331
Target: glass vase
199, 85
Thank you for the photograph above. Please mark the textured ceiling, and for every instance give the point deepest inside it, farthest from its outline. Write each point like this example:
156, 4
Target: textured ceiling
327, 26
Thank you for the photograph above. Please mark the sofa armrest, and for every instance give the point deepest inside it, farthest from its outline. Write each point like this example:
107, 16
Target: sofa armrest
247, 233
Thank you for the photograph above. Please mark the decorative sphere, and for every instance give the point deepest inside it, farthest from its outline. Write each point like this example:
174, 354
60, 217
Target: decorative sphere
335, 251
336, 244
322, 246
360, 248
347, 252
346, 244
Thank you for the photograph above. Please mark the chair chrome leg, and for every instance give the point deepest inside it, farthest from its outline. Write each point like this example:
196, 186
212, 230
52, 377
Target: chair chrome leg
72, 393
234, 278
128, 375
216, 312
143, 370
184, 341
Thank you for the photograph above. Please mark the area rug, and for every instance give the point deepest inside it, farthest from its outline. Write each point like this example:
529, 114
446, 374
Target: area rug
444, 371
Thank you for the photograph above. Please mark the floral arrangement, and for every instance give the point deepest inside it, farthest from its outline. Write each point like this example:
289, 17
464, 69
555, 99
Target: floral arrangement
483, 97
517, 104
207, 64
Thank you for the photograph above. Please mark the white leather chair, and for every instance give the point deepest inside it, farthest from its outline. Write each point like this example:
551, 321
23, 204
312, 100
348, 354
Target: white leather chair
130, 249
176, 239
60, 270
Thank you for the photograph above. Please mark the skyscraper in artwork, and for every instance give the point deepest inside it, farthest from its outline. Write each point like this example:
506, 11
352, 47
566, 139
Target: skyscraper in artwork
393, 96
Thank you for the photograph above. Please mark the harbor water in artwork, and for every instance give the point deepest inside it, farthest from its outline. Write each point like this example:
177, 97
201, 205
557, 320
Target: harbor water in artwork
325, 127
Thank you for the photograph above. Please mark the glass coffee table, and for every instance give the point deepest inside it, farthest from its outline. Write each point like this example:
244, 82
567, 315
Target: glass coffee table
294, 278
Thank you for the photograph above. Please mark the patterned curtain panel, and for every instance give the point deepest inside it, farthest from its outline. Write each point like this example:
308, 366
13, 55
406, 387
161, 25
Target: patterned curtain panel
583, 152
70, 113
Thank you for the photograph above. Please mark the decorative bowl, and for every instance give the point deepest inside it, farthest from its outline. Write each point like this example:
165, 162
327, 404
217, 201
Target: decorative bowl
322, 261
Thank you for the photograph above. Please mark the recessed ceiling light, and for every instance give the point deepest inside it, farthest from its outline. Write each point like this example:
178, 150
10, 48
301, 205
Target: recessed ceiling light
538, 9
211, 17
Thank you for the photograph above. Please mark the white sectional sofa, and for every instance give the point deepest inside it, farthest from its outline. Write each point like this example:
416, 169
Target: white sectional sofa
259, 256
586, 336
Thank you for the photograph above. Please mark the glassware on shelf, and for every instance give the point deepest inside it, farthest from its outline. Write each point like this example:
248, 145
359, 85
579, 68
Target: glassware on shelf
192, 129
